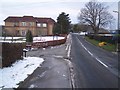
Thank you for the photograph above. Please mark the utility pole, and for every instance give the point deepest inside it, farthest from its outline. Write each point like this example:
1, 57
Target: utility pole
119, 16
118, 26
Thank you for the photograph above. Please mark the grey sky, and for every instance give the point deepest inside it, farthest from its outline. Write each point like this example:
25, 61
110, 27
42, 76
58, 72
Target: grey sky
49, 8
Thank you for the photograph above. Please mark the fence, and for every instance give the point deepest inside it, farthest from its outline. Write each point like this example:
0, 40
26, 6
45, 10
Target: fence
50, 43
11, 52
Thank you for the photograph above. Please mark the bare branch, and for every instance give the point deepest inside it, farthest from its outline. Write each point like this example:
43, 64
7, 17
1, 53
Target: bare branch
96, 15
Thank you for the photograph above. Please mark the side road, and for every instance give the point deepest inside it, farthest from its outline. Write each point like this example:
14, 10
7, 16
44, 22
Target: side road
55, 71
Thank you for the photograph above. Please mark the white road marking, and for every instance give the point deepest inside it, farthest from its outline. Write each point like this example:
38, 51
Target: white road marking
31, 86
102, 63
67, 47
92, 54
71, 72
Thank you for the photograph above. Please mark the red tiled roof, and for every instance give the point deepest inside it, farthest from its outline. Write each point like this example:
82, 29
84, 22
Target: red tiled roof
44, 20
30, 19
12, 19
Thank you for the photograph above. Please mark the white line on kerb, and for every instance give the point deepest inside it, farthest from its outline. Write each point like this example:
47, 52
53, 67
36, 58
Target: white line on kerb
92, 54
67, 47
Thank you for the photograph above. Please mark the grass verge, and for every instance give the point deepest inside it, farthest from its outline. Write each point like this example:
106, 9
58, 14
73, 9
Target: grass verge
108, 46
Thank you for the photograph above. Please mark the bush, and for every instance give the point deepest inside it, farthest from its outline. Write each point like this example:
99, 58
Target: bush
11, 52
29, 37
108, 39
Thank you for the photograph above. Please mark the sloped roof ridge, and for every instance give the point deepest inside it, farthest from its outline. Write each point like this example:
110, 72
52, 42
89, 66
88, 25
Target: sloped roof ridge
28, 18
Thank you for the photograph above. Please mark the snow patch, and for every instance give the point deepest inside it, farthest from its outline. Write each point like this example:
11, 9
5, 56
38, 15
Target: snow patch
18, 72
64, 75
32, 86
35, 39
47, 38
43, 48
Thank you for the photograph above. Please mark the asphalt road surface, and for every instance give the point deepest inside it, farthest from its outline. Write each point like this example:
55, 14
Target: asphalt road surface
93, 66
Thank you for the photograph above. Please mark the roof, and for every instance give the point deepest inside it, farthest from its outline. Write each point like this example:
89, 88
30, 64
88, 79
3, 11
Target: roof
44, 20
29, 19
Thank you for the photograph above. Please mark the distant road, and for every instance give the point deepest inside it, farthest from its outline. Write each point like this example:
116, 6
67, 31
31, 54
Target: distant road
94, 67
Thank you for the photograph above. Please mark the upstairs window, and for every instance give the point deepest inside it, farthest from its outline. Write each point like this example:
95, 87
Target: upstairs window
44, 25
39, 25
23, 23
15, 24
30, 23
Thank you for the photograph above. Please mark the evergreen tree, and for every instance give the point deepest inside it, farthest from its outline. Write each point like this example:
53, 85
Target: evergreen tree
29, 37
63, 24
56, 29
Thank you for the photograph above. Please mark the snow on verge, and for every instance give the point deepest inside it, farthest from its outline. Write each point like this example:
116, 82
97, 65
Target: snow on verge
19, 71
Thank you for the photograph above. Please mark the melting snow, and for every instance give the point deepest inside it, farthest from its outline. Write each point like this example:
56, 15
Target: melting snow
18, 72
47, 38
35, 39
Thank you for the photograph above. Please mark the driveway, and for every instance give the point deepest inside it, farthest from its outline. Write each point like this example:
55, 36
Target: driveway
54, 72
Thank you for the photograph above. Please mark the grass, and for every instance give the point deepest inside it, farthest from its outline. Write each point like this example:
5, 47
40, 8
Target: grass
108, 46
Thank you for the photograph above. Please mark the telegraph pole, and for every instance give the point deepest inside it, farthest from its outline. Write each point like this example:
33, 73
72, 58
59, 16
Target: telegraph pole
118, 26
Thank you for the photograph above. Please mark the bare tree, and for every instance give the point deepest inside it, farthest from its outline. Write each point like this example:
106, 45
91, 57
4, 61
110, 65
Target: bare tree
96, 15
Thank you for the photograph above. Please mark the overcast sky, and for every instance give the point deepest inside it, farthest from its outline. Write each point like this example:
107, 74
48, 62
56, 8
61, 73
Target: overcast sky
49, 8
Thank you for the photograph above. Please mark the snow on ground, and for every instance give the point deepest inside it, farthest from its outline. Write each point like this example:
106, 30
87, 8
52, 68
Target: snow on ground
18, 72
35, 39
81, 33
9, 41
11, 37
47, 38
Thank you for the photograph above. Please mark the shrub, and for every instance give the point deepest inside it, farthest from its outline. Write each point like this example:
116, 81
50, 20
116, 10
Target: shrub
29, 37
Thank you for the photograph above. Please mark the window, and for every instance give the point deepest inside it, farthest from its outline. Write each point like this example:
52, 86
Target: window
44, 25
31, 23
23, 23
23, 32
39, 25
15, 24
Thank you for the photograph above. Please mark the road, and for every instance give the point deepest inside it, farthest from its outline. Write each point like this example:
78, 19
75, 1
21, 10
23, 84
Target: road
93, 66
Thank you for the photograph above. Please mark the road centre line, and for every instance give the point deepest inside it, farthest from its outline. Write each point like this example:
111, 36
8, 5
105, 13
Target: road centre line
92, 54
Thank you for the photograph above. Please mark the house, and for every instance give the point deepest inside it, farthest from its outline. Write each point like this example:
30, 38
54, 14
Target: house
0, 30
18, 26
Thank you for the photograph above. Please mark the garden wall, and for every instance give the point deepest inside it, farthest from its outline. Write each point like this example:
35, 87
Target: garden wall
48, 43
11, 52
